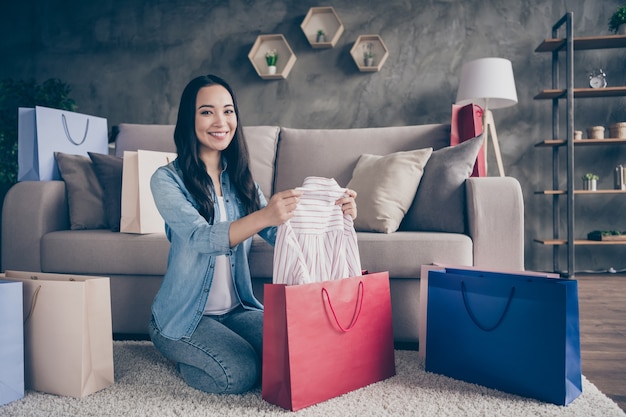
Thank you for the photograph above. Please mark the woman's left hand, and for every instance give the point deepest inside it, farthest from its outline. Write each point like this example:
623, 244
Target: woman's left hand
348, 203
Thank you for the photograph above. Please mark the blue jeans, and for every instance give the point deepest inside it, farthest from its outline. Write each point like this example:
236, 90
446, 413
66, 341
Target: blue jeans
223, 355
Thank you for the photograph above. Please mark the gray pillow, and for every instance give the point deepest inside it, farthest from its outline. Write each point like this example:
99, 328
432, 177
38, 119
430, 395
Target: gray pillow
108, 169
84, 193
439, 203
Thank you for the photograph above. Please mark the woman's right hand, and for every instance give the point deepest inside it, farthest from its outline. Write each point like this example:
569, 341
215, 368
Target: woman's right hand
281, 206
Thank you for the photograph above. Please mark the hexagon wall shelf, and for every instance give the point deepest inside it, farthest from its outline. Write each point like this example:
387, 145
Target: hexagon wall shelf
325, 19
286, 57
373, 43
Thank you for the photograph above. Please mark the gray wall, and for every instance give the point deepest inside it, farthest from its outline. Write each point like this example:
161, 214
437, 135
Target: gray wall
129, 60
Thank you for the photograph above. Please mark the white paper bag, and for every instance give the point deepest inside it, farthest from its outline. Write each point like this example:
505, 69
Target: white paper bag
42, 131
11, 341
139, 213
68, 336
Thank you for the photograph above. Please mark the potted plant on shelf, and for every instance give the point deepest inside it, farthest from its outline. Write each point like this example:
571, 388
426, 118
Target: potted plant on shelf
271, 57
617, 23
321, 36
368, 54
590, 181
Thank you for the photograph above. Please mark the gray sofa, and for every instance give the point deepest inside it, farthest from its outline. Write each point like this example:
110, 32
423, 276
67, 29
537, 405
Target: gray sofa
36, 235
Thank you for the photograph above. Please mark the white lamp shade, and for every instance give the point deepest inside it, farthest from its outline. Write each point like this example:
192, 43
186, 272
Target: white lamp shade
487, 82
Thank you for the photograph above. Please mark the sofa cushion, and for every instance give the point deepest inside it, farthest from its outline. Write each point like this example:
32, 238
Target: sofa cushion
439, 203
84, 193
403, 253
261, 141
103, 252
386, 187
108, 169
407, 250
333, 153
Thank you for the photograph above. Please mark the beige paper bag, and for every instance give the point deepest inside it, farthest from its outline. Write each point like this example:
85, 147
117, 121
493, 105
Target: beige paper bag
139, 213
68, 337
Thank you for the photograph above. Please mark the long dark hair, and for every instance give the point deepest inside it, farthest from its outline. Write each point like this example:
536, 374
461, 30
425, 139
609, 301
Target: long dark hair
195, 175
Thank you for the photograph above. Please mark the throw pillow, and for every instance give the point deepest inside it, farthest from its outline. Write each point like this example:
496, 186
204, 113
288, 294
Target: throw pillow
439, 203
386, 187
84, 193
108, 169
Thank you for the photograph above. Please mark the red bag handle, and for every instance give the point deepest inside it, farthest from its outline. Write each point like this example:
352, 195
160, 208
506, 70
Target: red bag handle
357, 311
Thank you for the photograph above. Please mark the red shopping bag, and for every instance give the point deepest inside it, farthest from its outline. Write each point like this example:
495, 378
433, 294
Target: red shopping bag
467, 123
325, 339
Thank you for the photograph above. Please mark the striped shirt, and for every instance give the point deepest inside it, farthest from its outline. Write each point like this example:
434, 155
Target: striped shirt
318, 243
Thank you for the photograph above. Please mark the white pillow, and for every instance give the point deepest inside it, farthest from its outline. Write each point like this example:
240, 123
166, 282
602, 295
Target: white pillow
386, 187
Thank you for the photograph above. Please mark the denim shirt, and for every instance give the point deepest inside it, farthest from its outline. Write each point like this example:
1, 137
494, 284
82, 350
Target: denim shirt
194, 244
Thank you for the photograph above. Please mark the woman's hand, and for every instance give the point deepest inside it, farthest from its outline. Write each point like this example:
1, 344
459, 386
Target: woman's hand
348, 203
281, 206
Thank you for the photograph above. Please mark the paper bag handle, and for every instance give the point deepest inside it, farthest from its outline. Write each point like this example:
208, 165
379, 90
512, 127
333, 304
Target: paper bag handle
32, 304
69, 136
357, 310
475, 319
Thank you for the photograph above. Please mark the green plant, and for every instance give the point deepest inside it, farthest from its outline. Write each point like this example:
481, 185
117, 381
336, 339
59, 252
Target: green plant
271, 57
368, 50
320, 33
14, 94
618, 18
590, 176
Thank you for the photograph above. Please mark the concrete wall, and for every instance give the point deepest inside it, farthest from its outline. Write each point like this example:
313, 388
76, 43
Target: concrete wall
129, 60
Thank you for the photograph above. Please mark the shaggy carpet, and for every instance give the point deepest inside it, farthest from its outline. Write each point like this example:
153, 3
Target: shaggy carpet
147, 385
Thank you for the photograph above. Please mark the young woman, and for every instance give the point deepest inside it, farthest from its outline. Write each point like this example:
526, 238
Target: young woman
205, 317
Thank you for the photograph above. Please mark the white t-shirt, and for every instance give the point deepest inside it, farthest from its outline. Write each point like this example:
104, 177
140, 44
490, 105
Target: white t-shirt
222, 296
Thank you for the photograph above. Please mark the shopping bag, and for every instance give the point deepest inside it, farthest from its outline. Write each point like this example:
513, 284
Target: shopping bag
42, 131
11, 342
514, 333
423, 306
68, 338
139, 212
467, 123
325, 339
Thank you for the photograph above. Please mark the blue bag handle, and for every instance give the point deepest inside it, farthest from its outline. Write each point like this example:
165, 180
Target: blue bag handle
69, 136
475, 319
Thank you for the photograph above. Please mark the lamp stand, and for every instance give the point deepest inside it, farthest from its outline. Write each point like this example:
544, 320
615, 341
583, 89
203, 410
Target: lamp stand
489, 127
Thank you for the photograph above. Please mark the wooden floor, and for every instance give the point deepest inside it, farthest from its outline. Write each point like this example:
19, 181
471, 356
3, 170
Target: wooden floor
602, 305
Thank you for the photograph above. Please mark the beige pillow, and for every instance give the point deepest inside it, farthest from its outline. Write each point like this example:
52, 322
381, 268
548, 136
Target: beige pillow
386, 187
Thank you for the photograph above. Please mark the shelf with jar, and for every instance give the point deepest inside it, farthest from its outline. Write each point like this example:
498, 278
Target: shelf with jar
369, 53
272, 57
322, 27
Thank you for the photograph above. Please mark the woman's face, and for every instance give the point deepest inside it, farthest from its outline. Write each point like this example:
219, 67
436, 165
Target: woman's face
216, 121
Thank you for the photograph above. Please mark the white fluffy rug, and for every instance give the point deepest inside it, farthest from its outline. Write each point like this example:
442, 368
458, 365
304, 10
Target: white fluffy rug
147, 385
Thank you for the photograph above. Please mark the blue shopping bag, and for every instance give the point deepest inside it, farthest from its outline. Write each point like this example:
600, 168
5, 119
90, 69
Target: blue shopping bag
515, 333
11, 342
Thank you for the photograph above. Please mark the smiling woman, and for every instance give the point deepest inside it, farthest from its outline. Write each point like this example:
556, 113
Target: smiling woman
205, 316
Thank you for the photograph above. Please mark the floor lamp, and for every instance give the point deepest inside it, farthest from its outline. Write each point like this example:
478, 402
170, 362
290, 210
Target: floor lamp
489, 83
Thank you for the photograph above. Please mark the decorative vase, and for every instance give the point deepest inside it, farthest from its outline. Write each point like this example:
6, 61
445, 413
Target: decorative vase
271, 69
595, 132
321, 37
369, 61
590, 185
618, 130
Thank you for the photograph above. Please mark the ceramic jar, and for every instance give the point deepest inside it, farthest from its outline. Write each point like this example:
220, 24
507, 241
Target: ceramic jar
595, 132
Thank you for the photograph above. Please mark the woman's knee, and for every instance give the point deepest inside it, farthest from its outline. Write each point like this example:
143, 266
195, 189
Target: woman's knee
235, 377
